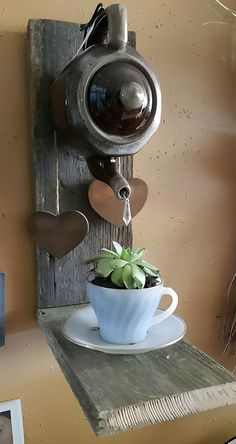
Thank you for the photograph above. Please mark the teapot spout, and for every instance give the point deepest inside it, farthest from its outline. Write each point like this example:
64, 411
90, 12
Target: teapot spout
105, 169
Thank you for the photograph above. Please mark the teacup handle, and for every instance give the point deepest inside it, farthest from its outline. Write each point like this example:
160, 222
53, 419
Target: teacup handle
165, 314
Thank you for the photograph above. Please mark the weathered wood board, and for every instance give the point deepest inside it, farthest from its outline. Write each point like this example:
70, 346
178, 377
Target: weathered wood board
61, 174
123, 392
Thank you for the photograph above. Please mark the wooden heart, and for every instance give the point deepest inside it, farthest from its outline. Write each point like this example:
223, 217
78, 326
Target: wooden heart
58, 234
109, 207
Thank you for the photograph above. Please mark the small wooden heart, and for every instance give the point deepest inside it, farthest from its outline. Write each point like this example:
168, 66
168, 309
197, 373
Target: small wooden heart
58, 234
109, 207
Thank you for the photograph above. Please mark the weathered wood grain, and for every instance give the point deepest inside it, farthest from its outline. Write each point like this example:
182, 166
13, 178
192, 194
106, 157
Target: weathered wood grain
61, 174
122, 392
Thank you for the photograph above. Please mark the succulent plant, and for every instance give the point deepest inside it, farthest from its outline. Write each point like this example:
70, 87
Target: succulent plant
124, 267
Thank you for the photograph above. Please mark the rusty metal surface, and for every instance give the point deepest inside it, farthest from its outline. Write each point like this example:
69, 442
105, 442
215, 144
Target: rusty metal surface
109, 207
58, 234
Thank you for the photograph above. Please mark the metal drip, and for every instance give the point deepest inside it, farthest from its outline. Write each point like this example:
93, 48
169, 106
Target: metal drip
127, 217
124, 194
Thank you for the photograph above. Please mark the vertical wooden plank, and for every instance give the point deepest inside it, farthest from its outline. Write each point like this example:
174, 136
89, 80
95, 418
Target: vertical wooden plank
2, 305
61, 174
50, 49
44, 149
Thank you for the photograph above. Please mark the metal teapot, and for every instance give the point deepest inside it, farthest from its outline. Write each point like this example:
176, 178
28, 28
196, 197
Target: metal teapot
107, 101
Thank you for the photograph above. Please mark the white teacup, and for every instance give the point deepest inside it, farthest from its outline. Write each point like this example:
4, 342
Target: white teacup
124, 316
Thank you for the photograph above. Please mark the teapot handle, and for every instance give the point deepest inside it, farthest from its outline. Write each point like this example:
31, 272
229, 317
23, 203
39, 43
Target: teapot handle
117, 26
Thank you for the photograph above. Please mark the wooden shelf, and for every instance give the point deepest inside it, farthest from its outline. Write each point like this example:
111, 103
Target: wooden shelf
122, 392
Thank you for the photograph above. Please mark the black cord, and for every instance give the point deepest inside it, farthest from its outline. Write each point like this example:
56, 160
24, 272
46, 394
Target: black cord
99, 24
97, 18
97, 12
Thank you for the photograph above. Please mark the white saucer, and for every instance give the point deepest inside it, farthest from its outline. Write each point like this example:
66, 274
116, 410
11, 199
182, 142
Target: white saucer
82, 329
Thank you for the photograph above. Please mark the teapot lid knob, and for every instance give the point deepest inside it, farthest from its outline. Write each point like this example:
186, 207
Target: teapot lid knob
133, 96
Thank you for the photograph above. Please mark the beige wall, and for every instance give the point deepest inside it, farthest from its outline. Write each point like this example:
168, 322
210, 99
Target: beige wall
187, 224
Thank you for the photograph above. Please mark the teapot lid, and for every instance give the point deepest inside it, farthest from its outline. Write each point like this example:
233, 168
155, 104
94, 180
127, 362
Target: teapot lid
119, 99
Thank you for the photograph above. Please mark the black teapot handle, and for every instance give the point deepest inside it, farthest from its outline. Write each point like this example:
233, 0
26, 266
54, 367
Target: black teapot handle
117, 26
